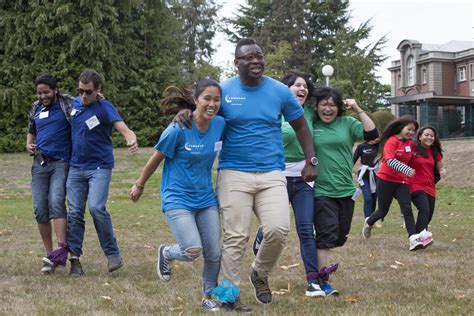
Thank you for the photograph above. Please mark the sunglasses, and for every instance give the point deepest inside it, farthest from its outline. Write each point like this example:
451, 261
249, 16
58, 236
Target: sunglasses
251, 56
82, 91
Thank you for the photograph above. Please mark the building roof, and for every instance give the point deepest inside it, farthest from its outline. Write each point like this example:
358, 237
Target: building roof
451, 46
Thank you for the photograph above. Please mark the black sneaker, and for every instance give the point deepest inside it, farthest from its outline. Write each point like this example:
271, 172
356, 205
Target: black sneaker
258, 240
261, 289
76, 268
237, 307
163, 265
114, 263
314, 289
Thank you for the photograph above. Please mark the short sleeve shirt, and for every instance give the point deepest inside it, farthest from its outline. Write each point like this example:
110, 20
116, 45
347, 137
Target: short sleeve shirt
189, 156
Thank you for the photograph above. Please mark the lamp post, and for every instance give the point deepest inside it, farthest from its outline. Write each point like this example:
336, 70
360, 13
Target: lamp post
328, 71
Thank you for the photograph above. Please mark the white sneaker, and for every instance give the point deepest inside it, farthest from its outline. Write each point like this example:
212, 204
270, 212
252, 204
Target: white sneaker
426, 238
366, 229
314, 289
415, 242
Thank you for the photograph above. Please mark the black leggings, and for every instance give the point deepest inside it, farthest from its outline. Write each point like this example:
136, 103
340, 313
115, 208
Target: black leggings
425, 204
386, 191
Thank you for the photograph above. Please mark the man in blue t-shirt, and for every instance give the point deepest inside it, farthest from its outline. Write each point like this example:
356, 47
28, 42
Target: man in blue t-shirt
250, 165
49, 141
90, 172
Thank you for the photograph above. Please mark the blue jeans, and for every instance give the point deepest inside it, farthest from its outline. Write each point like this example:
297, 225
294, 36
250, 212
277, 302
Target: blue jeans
48, 187
91, 186
301, 196
196, 231
370, 199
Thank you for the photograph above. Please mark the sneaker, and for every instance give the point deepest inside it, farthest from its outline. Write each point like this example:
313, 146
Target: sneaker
426, 238
366, 229
76, 268
328, 289
261, 289
314, 289
258, 240
114, 263
163, 265
48, 266
237, 307
378, 225
209, 305
415, 242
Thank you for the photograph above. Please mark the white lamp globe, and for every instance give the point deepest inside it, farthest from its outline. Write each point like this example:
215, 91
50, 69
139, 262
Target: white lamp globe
328, 70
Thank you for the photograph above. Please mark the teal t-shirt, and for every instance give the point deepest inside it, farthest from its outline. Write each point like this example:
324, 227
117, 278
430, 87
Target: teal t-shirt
189, 155
293, 150
333, 143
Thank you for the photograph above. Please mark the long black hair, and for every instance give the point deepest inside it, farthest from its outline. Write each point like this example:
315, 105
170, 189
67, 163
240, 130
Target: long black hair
290, 78
176, 99
394, 128
435, 147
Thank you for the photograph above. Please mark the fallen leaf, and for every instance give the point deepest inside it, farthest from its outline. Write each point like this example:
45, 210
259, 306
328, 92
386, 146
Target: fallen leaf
399, 263
445, 225
351, 298
147, 246
461, 296
141, 216
107, 298
393, 266
106, 283
284, 267
427, 265
136, 224
391, 307
454, 240
176, 308
293, 265
179, 298
278, 293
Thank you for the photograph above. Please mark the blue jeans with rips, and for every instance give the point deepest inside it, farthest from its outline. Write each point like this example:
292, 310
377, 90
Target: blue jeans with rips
91, 186
196, 231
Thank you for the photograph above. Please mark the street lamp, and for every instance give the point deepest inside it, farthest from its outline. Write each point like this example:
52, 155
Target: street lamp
328, 71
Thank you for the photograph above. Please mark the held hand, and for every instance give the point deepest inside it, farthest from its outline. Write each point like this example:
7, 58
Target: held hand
183, 118
132, 147
100, 96
30, 148
309, 173
411, 174
443, 172
135, 193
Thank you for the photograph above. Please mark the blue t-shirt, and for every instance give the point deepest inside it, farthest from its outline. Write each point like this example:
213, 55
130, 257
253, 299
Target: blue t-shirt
91, 130
253, 124
53, 132
189, 155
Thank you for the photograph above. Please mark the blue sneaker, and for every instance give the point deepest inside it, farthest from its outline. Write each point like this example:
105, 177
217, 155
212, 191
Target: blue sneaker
258, 240
328, 289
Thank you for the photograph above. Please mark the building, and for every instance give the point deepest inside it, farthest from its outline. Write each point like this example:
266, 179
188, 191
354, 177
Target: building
435, 83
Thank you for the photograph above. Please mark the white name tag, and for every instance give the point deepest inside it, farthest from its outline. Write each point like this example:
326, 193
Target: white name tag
92, 122
407, 149
44, 115
217, 146
73, 112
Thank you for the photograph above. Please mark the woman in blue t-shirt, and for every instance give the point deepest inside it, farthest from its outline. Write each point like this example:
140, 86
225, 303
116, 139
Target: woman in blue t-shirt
188, 199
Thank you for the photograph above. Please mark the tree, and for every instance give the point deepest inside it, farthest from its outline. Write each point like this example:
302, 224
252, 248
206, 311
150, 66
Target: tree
318, 33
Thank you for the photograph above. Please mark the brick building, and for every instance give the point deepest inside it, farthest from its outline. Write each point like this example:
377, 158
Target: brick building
435, 83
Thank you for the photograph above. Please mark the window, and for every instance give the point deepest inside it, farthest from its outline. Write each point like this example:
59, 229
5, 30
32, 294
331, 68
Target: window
423, 74
410, 71
471, 71
462, 73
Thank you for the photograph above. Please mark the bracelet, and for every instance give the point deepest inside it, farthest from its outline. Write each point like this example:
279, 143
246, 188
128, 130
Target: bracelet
139, 186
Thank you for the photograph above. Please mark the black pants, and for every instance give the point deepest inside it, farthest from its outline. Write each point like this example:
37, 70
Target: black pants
425, 204
386, 191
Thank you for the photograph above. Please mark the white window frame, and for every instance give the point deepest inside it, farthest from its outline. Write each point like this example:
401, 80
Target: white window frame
410, 70
424, 76
462, 73
471, 71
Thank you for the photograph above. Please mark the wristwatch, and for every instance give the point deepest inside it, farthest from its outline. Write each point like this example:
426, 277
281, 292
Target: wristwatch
312, 161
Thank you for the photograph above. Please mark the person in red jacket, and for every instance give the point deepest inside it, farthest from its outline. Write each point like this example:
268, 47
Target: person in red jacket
393, 177
427, 160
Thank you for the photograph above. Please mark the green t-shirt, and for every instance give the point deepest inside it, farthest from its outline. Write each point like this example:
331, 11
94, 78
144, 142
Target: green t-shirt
293, 150
333, 143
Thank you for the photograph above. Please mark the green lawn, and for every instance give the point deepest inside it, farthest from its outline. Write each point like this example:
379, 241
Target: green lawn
379, 276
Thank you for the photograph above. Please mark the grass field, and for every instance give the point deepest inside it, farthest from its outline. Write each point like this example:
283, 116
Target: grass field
376, 277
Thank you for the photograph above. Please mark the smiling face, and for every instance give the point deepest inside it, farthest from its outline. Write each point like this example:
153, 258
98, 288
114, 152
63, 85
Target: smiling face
208, 103
45, 94
327, 110
427, 138
407, 131
300, 90
249, 60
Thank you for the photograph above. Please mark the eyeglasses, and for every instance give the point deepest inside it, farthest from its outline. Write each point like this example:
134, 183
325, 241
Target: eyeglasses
82, 91
251, 56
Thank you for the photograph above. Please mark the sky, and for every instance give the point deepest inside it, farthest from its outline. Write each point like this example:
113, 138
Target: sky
427, 21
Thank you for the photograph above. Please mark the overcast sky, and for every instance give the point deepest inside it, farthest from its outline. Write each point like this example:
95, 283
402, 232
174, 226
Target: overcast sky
427, 21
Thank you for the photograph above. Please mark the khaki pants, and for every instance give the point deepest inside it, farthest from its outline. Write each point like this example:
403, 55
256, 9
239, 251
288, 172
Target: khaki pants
241, 193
